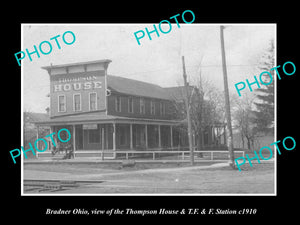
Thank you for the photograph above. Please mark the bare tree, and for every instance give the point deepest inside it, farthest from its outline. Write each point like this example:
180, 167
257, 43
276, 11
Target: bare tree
244, 121
206, 107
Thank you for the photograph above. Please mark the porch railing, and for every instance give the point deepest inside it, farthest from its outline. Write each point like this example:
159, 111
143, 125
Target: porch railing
183, 155
153, 154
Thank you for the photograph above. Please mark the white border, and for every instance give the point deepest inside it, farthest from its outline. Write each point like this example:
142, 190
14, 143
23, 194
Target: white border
275, 113
22, 115
134, 24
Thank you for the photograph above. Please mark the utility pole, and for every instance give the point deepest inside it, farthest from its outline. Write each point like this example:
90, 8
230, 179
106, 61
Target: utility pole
188, 113
227, 103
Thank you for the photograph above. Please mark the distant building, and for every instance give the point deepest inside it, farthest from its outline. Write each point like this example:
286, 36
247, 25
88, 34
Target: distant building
110, 112
30, 131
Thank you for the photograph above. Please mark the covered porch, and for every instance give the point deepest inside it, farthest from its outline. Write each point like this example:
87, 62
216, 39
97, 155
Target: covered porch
108, 134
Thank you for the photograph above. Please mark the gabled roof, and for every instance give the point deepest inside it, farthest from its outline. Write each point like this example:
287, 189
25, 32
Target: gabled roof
145, 89
178, 93
136, 88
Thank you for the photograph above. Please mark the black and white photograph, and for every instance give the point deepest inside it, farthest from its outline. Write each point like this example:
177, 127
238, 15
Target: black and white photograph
122, 113
171, 108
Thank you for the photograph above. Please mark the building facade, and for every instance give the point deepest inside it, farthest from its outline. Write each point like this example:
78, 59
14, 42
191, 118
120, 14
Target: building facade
110, 113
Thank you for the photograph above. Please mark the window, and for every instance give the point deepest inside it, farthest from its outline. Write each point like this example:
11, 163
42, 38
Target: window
152, 106
93, 101
130, 105
61, 103
93, 136
162, 108
118, 104
77, 102
142, 106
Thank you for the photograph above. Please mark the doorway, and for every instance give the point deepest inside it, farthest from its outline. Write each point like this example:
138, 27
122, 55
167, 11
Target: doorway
79, 137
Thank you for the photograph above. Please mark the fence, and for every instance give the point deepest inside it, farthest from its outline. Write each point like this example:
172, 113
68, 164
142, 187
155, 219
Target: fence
153, 154
160, 155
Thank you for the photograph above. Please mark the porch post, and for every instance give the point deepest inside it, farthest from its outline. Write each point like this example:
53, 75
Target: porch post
74, 141
159, 137
171, 133
37, 137
102, 142
114, 136
146, 134
131, 137
106, 127
50, 143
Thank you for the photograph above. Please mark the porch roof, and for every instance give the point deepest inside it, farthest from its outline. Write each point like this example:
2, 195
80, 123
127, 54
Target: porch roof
98, 117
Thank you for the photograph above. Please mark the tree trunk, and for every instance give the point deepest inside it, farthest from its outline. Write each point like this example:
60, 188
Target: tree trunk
199, 146
252, 143
248, 143
243, 141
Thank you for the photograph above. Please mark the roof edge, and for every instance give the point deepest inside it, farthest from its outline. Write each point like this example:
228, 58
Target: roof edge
77, 64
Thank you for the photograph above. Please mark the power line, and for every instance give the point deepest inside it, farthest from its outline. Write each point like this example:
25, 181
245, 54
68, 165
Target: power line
166, 69
221, 65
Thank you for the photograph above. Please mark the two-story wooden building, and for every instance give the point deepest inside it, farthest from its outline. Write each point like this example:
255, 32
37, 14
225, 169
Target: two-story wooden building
105, 112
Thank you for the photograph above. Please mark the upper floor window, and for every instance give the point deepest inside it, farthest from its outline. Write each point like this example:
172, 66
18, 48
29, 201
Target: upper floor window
61, 103
142, 106
93, 101
77, 102
162, 108
130, 105
118, 103
152, 107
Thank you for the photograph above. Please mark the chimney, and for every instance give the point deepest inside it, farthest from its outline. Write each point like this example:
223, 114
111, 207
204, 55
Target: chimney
47, 110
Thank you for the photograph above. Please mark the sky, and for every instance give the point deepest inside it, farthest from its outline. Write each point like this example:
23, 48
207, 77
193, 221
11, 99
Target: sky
156, 61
